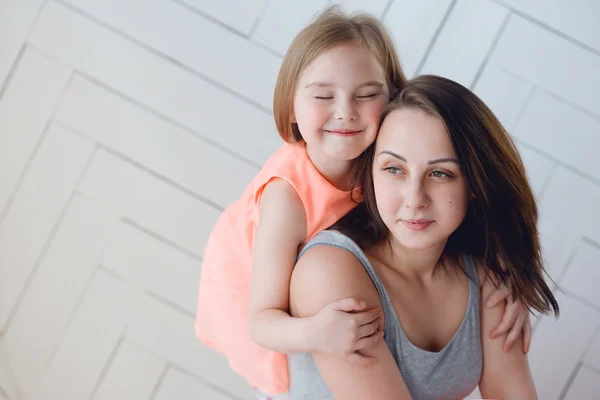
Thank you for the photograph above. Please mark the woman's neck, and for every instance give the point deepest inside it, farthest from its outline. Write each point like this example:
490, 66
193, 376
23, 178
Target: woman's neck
419, 265
337, 172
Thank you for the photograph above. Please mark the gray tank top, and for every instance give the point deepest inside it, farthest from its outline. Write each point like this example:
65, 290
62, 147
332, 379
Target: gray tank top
451, 373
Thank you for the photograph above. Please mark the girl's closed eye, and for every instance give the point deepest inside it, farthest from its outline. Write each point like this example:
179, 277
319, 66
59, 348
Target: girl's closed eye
369, 96
362, 97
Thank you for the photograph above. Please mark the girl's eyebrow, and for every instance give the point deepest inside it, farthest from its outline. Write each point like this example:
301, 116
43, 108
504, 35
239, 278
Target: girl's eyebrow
430, 162
326, 84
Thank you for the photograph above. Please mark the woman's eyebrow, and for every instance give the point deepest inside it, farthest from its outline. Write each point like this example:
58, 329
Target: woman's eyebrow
430, 162
391, 153
443, 160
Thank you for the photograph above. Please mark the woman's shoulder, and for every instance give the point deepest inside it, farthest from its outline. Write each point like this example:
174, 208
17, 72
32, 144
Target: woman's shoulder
328, 270
472, 266
330, 253
484, 274
335, 239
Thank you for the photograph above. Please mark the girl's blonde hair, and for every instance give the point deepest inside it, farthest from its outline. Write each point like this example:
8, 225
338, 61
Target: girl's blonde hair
332, 27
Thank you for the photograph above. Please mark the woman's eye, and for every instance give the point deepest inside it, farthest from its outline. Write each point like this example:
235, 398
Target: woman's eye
393, 170
440, 174
323, 97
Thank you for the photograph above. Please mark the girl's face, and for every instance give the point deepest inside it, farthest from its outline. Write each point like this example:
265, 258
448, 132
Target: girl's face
421, 193
338, 101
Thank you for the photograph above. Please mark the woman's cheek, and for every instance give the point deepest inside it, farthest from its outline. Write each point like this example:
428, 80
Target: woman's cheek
388, 204
456, 205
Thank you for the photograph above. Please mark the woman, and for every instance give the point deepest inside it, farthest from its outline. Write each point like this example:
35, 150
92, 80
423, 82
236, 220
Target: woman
448, 214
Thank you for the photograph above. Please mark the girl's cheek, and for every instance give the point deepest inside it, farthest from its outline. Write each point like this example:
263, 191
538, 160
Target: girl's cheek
379, 106
375, 107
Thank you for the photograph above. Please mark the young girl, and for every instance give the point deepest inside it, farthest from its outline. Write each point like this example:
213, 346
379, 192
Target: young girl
335, 79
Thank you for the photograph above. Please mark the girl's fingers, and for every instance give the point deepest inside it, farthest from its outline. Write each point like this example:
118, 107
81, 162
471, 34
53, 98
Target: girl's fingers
369, 341
511, 312
497, 297
368, 329
514, 333
527, 335
367, 317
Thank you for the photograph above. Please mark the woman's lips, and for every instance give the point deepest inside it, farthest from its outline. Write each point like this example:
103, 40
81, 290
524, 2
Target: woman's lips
417, 224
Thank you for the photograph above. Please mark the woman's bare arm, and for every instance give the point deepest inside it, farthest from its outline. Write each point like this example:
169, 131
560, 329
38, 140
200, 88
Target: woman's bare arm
324, 274
505, 375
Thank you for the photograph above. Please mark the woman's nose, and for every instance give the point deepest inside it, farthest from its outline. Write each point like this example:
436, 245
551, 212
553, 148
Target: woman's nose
416, 197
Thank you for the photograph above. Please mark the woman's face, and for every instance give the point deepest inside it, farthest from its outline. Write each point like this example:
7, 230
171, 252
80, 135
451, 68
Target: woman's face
421, 193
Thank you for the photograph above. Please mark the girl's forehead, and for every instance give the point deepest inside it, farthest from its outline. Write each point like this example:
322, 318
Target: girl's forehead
341, 62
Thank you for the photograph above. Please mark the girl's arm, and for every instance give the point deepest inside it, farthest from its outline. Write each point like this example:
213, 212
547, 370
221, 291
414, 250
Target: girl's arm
505, 374
324, 274
281, 230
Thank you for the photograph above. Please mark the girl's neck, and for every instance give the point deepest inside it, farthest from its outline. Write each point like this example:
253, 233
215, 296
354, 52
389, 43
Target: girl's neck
337, 172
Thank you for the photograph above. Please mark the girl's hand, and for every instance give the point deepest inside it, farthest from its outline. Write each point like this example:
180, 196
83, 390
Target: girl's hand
515, 319
343, 327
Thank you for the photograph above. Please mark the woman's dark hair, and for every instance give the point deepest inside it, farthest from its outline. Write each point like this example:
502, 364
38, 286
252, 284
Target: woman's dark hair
500, 227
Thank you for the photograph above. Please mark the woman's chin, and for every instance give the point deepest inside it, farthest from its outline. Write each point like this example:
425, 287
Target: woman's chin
418, 241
